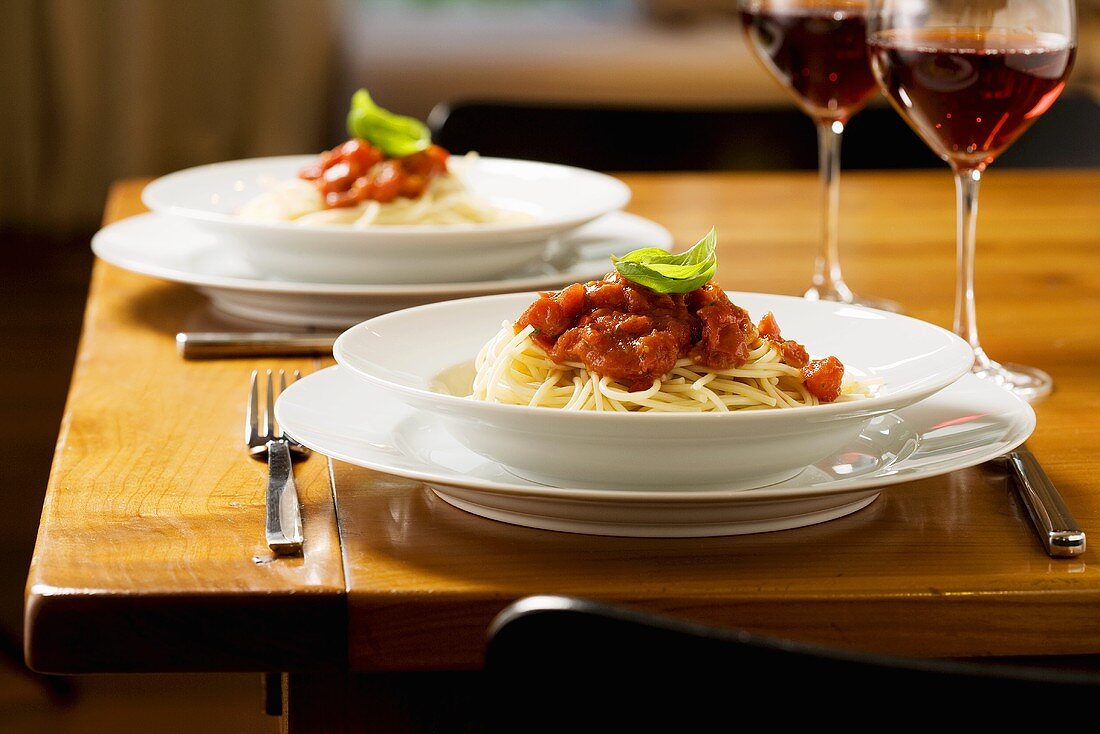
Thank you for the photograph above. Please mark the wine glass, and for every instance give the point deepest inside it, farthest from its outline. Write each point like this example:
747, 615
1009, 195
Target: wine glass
970, 77
817, 50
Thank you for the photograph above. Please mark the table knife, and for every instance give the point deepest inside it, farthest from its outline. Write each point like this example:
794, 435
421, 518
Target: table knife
222, 344
1058, 530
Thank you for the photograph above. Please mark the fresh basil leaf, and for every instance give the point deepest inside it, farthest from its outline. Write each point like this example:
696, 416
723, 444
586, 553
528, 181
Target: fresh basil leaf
642, 275
664, 272
394, 135
679, 272
646, 276
702, 251
646, 255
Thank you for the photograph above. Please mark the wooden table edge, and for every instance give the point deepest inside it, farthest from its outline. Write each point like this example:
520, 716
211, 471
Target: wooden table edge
300, 631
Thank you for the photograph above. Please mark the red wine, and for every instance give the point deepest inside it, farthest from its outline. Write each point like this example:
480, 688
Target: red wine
969, 94
818, 51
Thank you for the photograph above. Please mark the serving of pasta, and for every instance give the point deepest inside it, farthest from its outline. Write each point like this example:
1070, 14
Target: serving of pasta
641, 340
516, 368
387, 173
445, 200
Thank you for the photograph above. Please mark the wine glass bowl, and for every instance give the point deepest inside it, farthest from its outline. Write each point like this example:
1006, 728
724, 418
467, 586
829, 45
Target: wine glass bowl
970, 78
970, 93
817, 51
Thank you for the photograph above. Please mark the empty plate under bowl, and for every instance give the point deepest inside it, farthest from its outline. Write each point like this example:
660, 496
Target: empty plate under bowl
967, 423
170, 249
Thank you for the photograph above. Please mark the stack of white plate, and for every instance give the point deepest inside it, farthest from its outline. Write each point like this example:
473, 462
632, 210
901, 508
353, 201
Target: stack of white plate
337, 275
646, 474
636, 474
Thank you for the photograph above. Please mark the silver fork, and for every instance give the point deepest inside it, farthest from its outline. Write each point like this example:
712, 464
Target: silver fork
266, 441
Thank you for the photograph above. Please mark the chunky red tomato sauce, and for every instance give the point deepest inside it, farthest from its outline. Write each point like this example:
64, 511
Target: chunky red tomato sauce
617, 328
356, 171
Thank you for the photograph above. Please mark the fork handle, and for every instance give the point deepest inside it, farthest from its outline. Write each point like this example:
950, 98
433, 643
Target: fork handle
284, 518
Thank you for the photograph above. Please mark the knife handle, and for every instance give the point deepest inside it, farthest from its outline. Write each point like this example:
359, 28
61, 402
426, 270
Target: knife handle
1057, 528
217, 344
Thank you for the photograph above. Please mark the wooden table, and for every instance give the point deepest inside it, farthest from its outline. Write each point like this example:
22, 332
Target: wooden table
151, 554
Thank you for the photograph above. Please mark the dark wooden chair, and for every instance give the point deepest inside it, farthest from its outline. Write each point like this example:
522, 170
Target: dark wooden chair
561, 663
619, 138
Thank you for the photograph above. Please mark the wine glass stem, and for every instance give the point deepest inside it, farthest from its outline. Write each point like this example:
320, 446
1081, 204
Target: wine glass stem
967, 181
828, 283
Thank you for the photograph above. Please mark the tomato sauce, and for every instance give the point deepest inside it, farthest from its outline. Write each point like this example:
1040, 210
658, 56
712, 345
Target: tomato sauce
793, 353
356, 171
822, 377
631, 333
627, 332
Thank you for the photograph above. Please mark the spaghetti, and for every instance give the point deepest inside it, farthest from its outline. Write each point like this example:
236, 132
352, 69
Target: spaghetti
616, 356
512, 369
445, 200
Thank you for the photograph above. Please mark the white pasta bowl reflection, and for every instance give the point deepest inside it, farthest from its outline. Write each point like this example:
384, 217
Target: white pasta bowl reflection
425, 356
540, 202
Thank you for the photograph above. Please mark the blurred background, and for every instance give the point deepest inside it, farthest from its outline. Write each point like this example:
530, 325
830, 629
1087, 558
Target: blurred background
99, 90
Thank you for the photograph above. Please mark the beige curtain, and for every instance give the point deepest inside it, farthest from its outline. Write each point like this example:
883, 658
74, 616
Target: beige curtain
96, 90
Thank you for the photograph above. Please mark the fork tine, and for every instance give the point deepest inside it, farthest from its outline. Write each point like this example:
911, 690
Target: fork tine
252, 414
269, 412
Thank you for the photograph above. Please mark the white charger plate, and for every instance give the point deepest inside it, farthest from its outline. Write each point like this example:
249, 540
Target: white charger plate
170, 249
967, 423
556, 199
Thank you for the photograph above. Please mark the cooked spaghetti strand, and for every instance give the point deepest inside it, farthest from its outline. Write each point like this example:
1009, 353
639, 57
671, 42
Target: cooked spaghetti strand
513, 369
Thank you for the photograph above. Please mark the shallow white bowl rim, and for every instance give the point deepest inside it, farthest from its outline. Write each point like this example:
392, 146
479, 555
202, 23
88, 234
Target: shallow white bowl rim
960, 359
154, 194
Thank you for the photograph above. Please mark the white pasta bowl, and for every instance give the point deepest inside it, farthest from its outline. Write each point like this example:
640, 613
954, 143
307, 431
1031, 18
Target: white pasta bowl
424, 356
551, 199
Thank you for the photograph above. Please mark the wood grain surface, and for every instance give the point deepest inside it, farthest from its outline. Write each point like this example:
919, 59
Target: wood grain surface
151, 551
948, 566
151, 555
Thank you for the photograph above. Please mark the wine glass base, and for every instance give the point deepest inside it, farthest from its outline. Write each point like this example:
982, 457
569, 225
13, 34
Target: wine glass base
882, 304
1029, 383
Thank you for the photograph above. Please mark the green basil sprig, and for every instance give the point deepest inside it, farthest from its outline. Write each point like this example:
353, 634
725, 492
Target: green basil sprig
394, 135
663, 272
